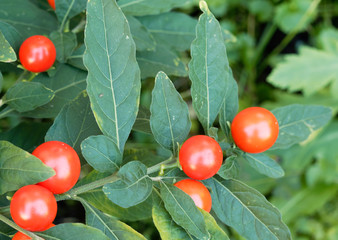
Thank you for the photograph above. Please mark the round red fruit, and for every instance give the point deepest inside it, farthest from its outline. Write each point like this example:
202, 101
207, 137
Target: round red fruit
33, 208
65, 162
200, 157
37, 53
197, 191
254, 129
52, 3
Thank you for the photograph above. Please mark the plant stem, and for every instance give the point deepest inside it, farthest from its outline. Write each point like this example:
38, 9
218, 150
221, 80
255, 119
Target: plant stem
87, 187
267, 34
160, 165
72, 194
13, 225
4, 113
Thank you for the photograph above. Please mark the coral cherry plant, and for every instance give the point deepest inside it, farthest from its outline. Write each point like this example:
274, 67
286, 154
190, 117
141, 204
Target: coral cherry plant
113, 113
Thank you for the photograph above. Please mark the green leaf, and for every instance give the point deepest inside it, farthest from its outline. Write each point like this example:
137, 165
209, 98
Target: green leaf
246, 210
27, 135
143, 38
142, 122
297, 122
328, 40
74, 123
67, 83
214, 230
113, 73
183, 211
209, 68
294, 15
100, 201
12, 35
307, 201
66, 9
1, 81
76, 59
101, 153
167, 28
150, 7
27, 18
65, 43
165, 225
265, 165
19, 168
5, 231
26, 96
169, 120
162, 59
309, 71
229, 168
133, 187
230, 105
113, 228
72, 231
135, 213
7, 53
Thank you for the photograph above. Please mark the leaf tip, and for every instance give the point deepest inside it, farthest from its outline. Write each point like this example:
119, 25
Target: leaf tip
203, 6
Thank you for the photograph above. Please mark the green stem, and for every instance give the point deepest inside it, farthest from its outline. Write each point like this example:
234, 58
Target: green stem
79, 27
263, 42
160, 165
33, 75
87, 187
4, 113
13, 225
72, 194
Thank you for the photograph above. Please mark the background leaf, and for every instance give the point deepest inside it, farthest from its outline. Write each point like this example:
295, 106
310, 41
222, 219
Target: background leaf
294, 14
65, 43
101, 153
143, 38
149, 7
26, 96
306, 201
72, 231
66, 9
167, 28
7, 53
113, 228
162, 59
209, 68
265, 165
309, 71
113, 73
169, 120
297, 122
67, 83
74, 123
26, 135
133, 187
246, 210
18, 168
40, 21
142, 122
183, 211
